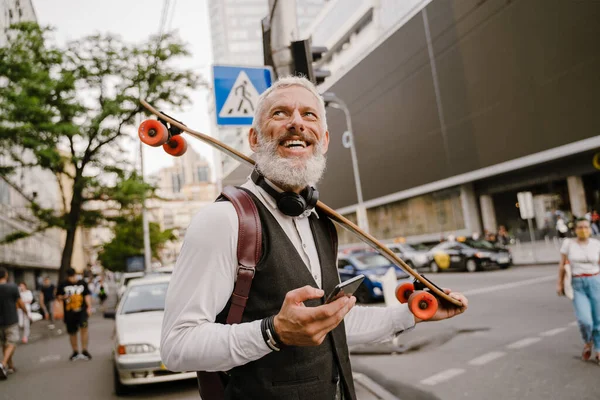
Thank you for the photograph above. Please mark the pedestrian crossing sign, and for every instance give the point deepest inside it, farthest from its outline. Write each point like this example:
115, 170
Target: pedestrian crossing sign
236, 92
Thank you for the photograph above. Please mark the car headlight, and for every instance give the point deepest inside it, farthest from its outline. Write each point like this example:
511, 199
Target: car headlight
136, 349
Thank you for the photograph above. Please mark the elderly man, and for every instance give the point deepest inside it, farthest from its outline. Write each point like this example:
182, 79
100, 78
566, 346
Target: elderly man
309, 359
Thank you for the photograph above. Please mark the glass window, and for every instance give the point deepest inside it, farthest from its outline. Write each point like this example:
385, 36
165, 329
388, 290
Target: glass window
371, 260
145, 298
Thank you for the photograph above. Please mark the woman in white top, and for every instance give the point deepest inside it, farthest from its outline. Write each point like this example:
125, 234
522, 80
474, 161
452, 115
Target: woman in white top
25, 320
583, 253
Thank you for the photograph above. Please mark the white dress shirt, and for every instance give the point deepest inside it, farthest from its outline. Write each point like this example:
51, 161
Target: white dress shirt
203, 281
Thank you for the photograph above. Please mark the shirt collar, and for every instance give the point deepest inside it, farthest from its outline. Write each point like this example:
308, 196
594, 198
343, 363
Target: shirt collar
270, 201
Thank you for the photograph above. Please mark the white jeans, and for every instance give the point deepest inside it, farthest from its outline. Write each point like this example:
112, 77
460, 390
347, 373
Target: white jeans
24, 323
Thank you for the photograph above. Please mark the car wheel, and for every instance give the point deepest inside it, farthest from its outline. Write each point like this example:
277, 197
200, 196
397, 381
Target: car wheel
471, 266
505, 266
362, 294
120, 389
434, 268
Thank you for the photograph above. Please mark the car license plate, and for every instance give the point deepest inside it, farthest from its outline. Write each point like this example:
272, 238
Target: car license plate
455, 258
503, 260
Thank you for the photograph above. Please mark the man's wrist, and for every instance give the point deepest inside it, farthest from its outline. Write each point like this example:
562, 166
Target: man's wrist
270, 337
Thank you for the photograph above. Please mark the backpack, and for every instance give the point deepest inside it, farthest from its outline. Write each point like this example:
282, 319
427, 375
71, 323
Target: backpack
249, 252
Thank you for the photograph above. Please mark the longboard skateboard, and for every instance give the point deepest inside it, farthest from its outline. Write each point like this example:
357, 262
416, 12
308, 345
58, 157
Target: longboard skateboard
422, 295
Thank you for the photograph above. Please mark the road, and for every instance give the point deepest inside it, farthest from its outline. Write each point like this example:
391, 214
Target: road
517, 341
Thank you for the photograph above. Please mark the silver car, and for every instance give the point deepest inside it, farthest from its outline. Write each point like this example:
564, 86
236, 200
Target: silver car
416, 259
138, 321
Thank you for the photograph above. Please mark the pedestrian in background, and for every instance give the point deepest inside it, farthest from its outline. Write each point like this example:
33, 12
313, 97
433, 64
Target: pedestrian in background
77, 303
47, 297
583, 253
10, 300
25, 317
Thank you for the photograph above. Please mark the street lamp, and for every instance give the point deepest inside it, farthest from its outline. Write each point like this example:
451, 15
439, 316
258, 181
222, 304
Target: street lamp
331, 100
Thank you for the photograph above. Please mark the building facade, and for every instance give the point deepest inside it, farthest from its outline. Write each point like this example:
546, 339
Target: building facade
13, 11
460, 105
40, 254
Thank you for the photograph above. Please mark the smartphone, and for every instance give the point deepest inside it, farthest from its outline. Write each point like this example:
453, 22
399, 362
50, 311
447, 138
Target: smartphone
346, 288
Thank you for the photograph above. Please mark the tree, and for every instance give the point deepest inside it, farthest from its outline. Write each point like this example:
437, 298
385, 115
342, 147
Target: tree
126, 197
71, 110
128, 241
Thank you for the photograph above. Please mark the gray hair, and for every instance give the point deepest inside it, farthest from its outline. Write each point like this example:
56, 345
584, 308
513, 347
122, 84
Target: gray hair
283, 83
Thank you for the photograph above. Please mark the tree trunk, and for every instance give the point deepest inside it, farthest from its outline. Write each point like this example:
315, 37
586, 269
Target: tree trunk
72, 224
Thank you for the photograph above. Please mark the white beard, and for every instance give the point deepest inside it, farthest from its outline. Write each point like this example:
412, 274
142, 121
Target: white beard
289, 173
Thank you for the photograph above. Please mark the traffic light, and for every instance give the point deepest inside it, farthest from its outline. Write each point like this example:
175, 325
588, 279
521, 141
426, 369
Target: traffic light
303, 56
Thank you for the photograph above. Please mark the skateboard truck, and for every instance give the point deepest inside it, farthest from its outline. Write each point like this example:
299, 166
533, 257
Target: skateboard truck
422, 302
157, 132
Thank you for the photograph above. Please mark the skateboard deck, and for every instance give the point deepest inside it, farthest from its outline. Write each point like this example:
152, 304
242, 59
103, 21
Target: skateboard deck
422, 295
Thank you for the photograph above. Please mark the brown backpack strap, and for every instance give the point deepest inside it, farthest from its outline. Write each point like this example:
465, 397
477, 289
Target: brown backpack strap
249, 249
249, 252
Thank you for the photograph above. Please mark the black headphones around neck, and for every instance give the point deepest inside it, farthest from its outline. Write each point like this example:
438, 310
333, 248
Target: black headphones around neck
290, 203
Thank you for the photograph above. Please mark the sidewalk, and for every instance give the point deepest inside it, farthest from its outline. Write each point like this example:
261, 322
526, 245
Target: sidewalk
539, 252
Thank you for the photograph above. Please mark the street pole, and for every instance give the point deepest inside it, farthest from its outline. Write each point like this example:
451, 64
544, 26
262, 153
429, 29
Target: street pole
145, 223
532, 237
348, 141
284, 30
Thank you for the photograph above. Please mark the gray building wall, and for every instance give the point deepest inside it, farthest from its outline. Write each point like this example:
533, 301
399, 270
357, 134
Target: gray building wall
515, 78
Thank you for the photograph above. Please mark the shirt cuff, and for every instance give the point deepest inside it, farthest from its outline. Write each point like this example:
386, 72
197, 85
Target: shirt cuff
259, 347
402, 319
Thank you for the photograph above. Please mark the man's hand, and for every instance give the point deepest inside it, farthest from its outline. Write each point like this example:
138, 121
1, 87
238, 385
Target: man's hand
298, 325
446, 311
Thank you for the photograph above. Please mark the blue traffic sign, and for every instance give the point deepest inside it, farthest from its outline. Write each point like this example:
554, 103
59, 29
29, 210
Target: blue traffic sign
236, 92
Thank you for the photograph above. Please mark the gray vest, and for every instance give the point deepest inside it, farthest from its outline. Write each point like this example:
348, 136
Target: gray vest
294, 373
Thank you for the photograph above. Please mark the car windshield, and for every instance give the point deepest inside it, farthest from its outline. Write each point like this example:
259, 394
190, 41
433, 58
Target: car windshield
371, 260
404, 247
145, 298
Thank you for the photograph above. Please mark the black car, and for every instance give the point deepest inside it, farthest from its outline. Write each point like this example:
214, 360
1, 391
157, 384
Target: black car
470, 257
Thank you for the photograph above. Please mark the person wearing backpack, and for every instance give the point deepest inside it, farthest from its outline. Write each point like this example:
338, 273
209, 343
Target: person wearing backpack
258, 311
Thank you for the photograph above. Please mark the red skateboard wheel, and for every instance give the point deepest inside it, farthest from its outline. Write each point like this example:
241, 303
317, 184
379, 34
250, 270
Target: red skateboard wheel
404, 291
153, 133
176, 146
423, 305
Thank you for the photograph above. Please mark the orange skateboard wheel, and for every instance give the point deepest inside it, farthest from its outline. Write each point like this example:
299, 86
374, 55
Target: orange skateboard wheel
176, 146
153, 132
423, 305
404, 291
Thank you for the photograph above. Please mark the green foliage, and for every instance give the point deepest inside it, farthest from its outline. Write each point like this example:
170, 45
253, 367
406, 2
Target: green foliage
128, 241
72, 110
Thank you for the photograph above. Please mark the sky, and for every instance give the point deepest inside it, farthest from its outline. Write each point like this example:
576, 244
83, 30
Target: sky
135, 21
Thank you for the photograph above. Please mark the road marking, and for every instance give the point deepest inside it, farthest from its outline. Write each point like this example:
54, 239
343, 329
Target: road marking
523, 343
574, 323
442, 376
486, 358
553, 332
53, 357
511, 285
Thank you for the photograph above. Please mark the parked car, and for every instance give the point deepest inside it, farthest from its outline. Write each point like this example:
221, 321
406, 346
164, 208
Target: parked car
416, 259
124, 281
469, 257
373, 266
138, 321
